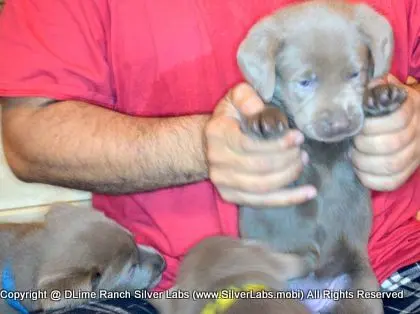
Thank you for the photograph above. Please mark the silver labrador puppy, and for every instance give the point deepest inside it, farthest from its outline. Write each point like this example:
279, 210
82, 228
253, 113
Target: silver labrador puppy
238, 271
75, 249
311, 63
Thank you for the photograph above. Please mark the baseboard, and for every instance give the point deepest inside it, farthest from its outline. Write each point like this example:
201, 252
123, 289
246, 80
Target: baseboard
30, 214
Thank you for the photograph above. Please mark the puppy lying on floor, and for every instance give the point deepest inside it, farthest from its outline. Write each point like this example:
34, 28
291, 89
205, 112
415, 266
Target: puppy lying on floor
76, 249
240, 271
311, 63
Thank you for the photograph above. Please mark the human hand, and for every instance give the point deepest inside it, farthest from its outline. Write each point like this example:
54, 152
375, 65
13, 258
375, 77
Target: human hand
387, 151
252, 172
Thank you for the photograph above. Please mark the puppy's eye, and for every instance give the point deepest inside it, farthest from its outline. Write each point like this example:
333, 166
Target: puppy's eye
306, 83
354, 75
95, 279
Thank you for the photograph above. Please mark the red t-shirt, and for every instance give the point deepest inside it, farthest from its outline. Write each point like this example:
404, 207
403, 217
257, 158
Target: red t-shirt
160, 58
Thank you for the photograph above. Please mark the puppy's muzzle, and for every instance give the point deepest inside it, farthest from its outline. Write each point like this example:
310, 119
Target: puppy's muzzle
151, 258
335, 125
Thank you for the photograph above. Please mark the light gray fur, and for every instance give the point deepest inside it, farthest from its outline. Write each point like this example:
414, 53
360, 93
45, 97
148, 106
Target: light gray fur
218, 263
75, 249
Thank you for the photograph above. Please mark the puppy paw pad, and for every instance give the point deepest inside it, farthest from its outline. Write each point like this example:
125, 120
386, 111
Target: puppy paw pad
384, 99
268, 124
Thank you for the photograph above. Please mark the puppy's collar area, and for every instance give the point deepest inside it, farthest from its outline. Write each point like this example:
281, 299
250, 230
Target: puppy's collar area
226, 298
8, 284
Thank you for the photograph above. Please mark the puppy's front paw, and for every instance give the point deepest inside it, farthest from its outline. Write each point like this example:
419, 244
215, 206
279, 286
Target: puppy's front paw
268, 124
384, 99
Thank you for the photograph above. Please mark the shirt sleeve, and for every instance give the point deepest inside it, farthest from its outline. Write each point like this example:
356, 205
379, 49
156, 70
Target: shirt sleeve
414, 38
56, 49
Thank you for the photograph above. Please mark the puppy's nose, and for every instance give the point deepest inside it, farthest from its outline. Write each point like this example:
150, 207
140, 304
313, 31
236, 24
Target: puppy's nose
158, 263
335, 121
151, 257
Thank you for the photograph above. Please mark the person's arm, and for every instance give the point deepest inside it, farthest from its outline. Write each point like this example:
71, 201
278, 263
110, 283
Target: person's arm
63, 55
82, 146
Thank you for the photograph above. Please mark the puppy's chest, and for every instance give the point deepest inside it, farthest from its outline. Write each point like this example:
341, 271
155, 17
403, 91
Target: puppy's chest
335, 183
342, 202
331, 172
340, 210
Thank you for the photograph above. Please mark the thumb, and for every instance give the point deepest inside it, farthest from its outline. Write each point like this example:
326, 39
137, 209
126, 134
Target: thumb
378, 81
393, 80
389, 78
246, 100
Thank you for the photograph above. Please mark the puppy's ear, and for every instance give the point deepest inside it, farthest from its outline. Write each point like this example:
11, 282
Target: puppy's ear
75, 279
379, 37
257, 56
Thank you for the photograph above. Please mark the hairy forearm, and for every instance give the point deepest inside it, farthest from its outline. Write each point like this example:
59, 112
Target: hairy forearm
81, 146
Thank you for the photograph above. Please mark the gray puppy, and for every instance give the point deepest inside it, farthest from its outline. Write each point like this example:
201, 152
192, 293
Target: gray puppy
75, 249
221, 265
311, 63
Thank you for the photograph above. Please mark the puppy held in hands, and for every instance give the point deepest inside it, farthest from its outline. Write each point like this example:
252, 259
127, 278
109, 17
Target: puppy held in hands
225, 265
74, 249
312, 64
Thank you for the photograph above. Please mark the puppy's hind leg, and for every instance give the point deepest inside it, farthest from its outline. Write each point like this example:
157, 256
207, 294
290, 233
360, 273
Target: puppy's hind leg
270, 123
383, 99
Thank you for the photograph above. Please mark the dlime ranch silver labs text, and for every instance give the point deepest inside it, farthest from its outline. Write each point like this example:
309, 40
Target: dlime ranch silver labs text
197, 295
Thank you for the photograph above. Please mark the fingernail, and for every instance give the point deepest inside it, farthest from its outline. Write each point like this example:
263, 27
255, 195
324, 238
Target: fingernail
305, 158
299, 139
311, 193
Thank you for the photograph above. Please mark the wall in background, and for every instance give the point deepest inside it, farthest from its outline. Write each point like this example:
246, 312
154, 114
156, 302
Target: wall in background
28, 201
